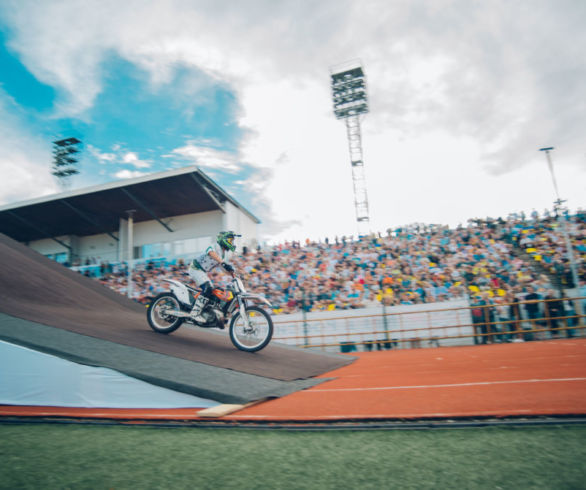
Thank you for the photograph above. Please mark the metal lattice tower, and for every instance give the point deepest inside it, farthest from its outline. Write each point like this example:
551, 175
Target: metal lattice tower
350, 102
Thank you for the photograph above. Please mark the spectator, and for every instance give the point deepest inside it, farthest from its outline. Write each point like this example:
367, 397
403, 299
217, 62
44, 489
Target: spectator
411, 264
478, 321
533, 310
515, 316
502, 318
570, 321
554, 310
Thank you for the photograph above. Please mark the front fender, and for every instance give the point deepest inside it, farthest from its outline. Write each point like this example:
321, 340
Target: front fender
257, 297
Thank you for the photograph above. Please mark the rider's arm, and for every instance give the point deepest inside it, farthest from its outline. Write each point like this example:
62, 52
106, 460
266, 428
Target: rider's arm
214, 255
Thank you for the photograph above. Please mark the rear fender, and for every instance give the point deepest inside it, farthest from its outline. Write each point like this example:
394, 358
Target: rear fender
180, 291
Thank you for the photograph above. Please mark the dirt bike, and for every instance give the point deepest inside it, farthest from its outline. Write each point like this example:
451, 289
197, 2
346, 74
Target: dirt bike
251, 327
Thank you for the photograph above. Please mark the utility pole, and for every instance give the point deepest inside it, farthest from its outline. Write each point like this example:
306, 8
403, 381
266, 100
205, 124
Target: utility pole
562, 219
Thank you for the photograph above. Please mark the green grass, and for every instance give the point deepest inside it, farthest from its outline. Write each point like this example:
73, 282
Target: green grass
85, 456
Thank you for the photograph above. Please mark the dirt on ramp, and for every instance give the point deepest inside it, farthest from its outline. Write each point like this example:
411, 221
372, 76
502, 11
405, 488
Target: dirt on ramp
37, 289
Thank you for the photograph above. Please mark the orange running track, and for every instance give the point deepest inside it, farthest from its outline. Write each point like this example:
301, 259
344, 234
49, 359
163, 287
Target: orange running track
545, 378
500, 380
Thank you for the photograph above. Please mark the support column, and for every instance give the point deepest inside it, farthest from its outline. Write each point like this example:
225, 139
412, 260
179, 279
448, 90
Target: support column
130, 255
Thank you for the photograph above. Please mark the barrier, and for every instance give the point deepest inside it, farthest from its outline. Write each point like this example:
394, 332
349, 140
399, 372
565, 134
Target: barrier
98, 270
430, 325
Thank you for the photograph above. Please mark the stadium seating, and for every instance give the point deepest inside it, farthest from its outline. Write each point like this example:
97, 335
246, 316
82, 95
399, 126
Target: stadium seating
496, 258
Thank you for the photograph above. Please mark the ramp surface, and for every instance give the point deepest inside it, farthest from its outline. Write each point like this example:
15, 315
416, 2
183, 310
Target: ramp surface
53, 309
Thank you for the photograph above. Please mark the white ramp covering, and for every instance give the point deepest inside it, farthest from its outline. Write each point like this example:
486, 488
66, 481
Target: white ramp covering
28, 377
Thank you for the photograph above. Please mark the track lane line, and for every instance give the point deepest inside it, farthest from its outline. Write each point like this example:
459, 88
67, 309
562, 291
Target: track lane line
454, 385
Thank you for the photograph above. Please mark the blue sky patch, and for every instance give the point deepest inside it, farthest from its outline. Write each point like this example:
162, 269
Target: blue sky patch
20, 84
130, 115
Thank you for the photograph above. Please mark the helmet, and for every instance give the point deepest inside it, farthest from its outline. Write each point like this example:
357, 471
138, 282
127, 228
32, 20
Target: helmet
226, 240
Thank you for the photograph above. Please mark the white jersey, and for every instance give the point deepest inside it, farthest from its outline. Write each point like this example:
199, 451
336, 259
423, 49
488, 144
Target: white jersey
204, 262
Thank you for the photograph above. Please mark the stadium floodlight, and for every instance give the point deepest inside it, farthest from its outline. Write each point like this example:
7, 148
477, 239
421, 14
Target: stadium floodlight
562, 218
349, 92
350, 102
65, 160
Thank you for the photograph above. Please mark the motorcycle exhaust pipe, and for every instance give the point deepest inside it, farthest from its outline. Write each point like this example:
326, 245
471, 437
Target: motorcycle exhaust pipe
178, 314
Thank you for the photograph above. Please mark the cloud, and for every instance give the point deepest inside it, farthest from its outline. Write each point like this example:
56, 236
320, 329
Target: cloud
25, 162
128, 174
131, 158
103, 158
256, 187
462, 94
207, 157
34, 180
118, 156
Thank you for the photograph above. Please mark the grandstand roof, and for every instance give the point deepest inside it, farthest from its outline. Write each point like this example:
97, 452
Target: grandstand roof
98, 209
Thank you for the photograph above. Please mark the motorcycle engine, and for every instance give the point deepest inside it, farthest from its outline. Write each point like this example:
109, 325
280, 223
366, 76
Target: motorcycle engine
212, 315
208, 314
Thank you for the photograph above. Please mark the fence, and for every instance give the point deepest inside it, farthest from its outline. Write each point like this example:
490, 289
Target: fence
450, 323
98, 270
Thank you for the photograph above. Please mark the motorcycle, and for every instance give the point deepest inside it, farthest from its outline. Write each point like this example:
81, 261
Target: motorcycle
251, 327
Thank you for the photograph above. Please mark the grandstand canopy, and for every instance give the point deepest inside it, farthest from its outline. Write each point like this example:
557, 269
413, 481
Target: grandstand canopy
96, 210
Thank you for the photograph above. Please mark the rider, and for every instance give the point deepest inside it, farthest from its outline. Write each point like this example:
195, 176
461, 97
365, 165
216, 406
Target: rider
215, 255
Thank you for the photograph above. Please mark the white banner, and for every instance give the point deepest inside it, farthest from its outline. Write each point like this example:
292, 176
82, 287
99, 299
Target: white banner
404, 326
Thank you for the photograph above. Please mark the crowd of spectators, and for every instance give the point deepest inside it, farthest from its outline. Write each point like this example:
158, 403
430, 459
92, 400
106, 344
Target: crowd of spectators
408, 265
545, 239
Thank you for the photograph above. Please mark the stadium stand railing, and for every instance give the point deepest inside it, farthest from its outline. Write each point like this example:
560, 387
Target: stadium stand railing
435, 327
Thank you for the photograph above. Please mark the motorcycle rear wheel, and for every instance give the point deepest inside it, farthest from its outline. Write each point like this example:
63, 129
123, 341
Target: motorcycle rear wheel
259, 334
160, 321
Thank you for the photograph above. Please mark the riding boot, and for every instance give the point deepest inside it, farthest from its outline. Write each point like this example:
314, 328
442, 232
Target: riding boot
198, 307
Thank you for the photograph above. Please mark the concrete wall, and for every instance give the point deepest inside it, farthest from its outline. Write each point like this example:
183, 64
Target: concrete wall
241, 223
48, 246
193, 228
101, 246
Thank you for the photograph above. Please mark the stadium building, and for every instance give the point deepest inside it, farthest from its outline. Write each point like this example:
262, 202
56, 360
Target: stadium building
168, 214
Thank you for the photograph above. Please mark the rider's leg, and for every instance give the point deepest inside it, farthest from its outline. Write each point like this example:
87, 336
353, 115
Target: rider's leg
203, 281
201, 301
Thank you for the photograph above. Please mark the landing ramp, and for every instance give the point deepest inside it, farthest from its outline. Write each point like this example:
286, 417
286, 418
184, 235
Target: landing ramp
50, 308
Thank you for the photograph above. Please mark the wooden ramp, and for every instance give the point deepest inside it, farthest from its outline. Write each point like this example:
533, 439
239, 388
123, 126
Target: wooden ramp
47, 307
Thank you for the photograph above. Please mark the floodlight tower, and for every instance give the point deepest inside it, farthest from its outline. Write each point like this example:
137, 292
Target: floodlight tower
350, 102
65, 160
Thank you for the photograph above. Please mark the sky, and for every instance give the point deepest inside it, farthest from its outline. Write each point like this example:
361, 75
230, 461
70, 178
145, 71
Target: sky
462, 95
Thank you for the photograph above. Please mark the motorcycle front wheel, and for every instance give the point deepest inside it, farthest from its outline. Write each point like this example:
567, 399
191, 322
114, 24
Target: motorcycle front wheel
159, 318
257, 335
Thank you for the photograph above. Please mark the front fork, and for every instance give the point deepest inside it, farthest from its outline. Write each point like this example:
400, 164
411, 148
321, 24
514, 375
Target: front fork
243, 315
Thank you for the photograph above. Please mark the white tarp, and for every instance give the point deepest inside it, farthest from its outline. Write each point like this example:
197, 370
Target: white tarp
28, 377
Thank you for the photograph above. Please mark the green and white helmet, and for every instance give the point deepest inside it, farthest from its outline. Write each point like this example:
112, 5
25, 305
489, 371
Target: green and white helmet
226, 240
